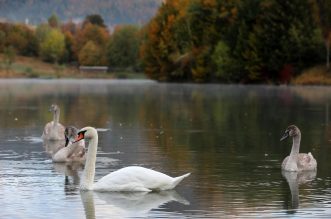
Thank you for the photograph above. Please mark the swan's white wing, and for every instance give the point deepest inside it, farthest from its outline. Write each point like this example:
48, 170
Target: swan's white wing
306, 162
47, 129
134, 178
53, 133
74, 152
61, 155
60, 131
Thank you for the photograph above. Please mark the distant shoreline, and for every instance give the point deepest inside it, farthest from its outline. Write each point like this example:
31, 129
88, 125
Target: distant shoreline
28, 67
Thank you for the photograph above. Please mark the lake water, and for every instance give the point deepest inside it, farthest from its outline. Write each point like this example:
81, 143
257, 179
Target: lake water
226, 136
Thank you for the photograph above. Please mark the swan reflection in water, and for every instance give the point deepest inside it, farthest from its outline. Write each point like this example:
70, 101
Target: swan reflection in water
127, 203
294, 179
71, 176
51, 147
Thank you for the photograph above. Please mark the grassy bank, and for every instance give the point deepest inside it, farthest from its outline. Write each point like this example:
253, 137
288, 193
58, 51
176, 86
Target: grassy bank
26, 67
318, 75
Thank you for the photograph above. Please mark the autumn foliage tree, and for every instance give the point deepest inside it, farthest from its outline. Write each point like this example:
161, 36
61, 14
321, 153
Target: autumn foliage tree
159, 50
123, 47
181, 38
69, 29
52, 48
21, 38
283, 38
53, 42
92, 33
249, 41
91, 55
228, 41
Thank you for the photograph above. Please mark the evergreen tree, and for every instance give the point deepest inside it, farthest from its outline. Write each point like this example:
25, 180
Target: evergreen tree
94, 19
53, 21
323, 14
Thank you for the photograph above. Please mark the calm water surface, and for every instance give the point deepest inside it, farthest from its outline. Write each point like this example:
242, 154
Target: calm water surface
226, 136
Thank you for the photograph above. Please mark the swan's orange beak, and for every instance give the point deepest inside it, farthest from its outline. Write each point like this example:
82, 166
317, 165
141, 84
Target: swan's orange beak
79, 137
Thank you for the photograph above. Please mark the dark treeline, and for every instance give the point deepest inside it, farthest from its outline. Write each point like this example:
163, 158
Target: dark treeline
246, 41
227, 41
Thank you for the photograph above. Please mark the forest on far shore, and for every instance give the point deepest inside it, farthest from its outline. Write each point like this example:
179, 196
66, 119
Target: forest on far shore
226, 41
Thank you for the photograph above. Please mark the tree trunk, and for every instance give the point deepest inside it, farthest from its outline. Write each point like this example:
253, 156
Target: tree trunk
327, 45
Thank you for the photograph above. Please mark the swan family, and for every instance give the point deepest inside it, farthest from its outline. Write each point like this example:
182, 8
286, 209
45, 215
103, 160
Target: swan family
128, 179
136, 178
71, 152
56, 138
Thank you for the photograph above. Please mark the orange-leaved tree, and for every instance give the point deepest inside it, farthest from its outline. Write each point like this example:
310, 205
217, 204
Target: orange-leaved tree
94, 33
92, 55
159, 50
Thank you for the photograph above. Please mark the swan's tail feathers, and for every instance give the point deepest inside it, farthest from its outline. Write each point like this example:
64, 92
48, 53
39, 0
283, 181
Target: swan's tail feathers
310, 155
178, 179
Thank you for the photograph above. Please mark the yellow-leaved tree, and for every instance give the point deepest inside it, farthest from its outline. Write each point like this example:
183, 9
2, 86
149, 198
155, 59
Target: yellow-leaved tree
52, 48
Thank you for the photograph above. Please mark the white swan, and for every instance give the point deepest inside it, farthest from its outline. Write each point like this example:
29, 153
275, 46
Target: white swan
297, 161
71, 152
132, 178
54, 130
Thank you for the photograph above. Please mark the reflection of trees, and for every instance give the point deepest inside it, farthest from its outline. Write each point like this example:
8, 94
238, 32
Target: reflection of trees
223, 130
237, 118
27, 103
203, 120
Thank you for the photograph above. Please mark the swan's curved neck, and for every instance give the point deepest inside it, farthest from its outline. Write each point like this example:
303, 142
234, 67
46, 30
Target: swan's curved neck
56, 117
89, 171
295, 145
291, 164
